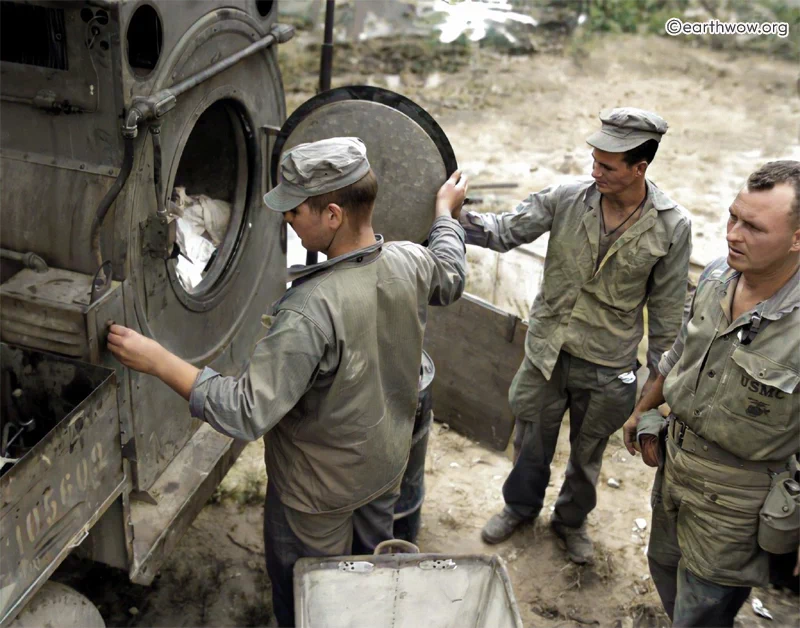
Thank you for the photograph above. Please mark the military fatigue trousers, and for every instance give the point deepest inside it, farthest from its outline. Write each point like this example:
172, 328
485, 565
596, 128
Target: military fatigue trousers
703, 551
290, 535
599, 402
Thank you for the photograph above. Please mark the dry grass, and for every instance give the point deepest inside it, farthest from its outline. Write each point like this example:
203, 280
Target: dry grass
248, 491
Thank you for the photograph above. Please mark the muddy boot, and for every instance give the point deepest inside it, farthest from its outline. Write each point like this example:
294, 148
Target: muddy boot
500, 527
580, 549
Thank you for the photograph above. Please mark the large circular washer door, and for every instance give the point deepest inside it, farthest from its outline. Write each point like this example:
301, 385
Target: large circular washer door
409, 153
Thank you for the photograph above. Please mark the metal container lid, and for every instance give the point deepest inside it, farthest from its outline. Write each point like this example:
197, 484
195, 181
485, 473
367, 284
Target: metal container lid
408, 151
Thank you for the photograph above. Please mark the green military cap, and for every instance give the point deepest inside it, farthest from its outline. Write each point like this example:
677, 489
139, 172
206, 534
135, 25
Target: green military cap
317, 168
625, 128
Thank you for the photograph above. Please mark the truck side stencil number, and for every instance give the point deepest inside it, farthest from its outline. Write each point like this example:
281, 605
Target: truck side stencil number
87, 475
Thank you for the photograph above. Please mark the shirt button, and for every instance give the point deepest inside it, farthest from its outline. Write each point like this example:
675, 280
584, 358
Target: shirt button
705, 447
711, 373
698, 412
713, 497
359, 259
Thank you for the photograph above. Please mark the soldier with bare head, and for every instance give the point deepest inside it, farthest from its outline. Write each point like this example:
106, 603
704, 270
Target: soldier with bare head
726, 492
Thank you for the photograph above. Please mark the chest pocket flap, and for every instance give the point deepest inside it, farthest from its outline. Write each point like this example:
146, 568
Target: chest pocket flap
767, 371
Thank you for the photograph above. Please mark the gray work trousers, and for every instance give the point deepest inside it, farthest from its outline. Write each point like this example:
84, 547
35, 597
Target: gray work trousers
290, 535
599, 402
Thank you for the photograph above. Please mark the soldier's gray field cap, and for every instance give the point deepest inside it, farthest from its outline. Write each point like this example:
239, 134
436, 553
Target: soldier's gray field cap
317, 168
625, 128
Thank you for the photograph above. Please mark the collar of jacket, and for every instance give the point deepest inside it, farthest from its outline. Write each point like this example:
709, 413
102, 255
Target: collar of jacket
779, 304
655, 198
368, 253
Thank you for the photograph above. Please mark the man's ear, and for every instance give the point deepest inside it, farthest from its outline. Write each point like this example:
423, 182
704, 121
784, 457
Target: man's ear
334, 215
641, 168
795, 248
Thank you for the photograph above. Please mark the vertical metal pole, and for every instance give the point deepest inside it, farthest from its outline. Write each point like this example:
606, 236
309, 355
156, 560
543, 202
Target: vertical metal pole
326, 64
325, 71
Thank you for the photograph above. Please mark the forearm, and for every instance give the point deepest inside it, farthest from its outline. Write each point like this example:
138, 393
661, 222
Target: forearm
652, 394
448, 254
176, 373
503, 232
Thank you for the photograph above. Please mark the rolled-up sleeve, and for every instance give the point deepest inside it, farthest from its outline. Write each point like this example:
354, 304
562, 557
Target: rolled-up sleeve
448, 256
667, 295
282, 368
503, 232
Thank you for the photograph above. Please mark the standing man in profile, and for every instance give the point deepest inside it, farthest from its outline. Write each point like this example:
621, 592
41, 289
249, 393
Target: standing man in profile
335, 380
617, 243
732, 382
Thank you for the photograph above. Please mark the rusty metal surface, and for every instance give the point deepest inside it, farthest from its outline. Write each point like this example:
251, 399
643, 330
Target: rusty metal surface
63, 484
406, 159
57, 168
51, 311
179, 494
215, 326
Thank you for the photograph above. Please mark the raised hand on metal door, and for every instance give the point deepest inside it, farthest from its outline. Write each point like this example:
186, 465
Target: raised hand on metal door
450, 197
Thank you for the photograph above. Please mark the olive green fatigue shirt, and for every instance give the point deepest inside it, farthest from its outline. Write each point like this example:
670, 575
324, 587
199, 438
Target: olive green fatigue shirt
596, 315
335, 381
742, 397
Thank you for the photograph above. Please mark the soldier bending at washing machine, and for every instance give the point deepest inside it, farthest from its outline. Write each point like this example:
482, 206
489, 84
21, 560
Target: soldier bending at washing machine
335, 381
725, 492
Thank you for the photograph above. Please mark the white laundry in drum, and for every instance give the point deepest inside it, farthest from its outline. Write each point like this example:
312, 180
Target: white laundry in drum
202, 224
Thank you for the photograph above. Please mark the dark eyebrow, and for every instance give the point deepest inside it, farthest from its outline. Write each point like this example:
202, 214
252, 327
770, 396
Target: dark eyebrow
605, 165
747, 222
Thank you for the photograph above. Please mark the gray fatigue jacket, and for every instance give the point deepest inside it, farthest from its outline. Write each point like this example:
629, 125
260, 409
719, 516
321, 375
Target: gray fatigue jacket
743, 397
335, 381
596, 316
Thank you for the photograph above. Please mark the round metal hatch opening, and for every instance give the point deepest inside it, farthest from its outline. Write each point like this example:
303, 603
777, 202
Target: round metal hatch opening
408, 151
210, 197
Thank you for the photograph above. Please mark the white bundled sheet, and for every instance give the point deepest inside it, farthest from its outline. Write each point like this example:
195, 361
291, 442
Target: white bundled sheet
202, 224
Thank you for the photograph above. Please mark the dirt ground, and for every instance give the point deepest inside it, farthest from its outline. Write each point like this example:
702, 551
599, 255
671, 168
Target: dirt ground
520, 120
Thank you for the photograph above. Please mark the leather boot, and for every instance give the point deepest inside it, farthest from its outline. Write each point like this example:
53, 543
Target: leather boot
580, 549
500, 527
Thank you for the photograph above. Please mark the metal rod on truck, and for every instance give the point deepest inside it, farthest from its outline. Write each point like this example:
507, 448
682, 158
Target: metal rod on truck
29, 260
325, 72
155, 106
326, 63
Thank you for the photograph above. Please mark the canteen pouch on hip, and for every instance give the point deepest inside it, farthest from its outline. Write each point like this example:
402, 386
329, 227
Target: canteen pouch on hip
779, 519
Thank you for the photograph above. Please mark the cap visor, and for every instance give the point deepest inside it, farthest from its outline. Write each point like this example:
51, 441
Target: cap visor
612, 144
279, 199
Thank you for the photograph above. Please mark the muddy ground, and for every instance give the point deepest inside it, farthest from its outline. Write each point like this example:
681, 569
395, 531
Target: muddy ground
522, 120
